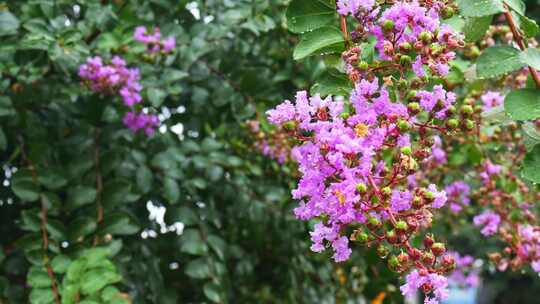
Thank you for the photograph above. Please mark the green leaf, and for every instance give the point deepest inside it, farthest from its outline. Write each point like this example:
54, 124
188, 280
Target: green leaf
60, 263
531, 165
38, 278
211, 291
192, 242
198, 269
531, 57
80, 196
156, 96
517, 5
476, 27
479, 8
6, 107
144, 179
529, 27
119, 223
3, 140
23, 186
94, 280
171, 191
75, 270
81, 227
523, 104
308, 15
498, 60
181, 214
52, 179
321, 41
217, 244
329, 84
41, 296
8, 23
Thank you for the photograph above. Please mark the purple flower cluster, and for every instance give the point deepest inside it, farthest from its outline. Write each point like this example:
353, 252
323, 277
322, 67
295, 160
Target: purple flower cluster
529, 245
466, 274
112, 79
490, 222
458, 195
153, 40
430, 282
491, 100
117, 78
489, 170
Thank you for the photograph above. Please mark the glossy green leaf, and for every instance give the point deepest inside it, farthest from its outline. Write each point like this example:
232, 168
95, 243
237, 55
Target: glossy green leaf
308, 15
523, 104
476, 27
479, 8
324, 40
497, 61
8, 23
531, 165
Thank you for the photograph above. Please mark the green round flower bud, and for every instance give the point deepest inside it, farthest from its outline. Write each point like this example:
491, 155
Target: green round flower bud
452, 124
406, 150
361, 188
401, 225
345, 115
362, 237
426, 36
373, 223
411, 95
386, 191
405, 60
393, 262
405, 47
363, 65
290, 125
469, 124
414, 107
428, 195
382, 251
451, 110
403, 83
448, 12
388, 25
403, 125
467, 110
438, 249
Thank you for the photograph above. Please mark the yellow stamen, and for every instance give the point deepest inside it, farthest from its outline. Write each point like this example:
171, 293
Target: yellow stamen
361, 130
341, 197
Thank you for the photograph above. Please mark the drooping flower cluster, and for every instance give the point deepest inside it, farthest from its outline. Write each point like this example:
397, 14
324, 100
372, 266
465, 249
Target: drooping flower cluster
114, 78
117, 79
154, 41
273, 144
458, 196
360, 158
466, 274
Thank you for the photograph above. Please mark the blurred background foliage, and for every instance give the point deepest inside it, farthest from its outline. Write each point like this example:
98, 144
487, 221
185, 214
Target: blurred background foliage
92, 213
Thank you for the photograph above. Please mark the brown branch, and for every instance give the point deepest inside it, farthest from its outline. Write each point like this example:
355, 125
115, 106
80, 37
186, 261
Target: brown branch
99, 184
43, 228
344, 31
520, 42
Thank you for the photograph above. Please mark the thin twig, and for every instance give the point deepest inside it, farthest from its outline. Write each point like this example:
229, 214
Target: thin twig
520, 42
99, 184
43, 228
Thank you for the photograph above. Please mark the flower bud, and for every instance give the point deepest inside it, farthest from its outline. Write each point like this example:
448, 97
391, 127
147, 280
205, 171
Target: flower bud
405, 47
401, 225
451, 110
393, 263
403, 258
411, 95
361, 188
452, 124
428, 258
438, 249
388, 25
406, 150
429, 196
386, 191
289, 125
414, 253
382, 251
449, 262
405, 60
361, 237
373, 223
428, 241
469, 125
426, 37
403, 125
391, 237
448, 12
413, 108
345, 115
363, 66
467, 110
